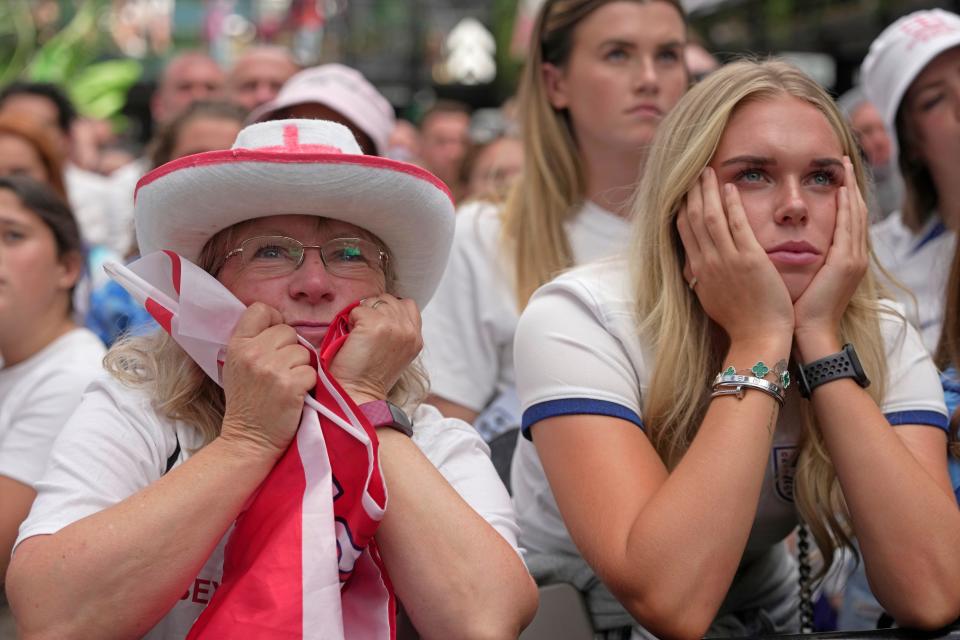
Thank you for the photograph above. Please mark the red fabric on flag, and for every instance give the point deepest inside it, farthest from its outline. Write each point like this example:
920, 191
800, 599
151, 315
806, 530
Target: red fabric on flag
301, 561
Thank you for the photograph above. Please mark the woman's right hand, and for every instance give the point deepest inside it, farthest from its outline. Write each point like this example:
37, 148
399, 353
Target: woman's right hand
266, 376
736, 283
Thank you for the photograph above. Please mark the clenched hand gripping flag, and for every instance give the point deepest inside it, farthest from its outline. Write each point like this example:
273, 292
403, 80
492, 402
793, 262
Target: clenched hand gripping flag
301, 562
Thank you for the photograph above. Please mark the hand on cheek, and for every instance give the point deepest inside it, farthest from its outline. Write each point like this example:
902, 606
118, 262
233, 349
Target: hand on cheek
819, 309
733, 273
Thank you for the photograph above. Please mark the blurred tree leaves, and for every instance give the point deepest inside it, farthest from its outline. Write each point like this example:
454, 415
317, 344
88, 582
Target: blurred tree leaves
74, 57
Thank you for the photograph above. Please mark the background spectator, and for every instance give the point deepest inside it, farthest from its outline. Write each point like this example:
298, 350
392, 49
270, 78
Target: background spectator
338, 93
87, 192
258, 74
203, 126
26, 149
490, 168
404, 143
46, 361
887, 193
910, 75
188, 77
587, 120
444, 138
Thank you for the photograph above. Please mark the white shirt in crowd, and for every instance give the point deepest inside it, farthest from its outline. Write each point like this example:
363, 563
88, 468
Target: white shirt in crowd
469, 324
921, 263
116, 445
89, 196
123, 183
36, 398
578, 351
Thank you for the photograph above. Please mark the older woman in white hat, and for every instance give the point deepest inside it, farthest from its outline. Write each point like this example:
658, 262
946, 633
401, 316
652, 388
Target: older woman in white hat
157, 463
912, 76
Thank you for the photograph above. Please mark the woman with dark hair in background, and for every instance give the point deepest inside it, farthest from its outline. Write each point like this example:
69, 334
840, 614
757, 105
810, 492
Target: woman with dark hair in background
26, 149
46, 360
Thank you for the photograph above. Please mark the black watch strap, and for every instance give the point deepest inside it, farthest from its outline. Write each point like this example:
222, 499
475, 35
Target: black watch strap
843, 364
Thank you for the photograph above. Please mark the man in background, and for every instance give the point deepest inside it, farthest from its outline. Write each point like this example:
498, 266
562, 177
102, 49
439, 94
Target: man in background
257, 75
444, 138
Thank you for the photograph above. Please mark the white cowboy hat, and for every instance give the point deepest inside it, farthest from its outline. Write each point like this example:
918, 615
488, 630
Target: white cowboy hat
308, 167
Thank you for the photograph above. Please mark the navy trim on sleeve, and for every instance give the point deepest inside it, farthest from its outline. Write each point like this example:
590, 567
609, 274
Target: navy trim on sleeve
929, 418
573, 406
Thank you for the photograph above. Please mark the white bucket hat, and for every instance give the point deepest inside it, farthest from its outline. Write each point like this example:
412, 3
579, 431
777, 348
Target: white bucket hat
308, 167
900, 53
342, 89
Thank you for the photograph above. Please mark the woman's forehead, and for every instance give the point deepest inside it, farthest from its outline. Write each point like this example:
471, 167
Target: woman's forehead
299, 226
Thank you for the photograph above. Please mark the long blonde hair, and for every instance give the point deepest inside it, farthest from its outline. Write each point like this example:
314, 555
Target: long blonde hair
179, 387
553, 181
948, 347
670, 316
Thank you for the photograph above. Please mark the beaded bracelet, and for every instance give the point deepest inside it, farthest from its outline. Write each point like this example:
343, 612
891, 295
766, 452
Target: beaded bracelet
761, 370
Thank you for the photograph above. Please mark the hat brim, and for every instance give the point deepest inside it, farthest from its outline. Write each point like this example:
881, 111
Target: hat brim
181, 205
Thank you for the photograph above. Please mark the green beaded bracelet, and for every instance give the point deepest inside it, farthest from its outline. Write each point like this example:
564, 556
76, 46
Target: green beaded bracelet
761, 370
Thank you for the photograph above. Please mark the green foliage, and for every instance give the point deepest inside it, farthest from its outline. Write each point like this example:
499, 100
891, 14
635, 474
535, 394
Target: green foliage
17, 36
69, 57
508, 68
100, 89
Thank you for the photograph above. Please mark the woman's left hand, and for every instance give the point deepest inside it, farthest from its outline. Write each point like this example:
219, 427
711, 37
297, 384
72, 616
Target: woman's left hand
821, 306
384, 339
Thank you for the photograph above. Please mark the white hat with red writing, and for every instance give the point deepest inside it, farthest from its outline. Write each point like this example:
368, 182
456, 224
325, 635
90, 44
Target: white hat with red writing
900, 53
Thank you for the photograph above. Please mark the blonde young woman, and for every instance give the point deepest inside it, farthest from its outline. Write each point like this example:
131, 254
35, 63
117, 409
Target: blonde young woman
670, 478
600, 77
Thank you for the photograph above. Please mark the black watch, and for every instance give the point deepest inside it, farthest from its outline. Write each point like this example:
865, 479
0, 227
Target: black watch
844, 364
382, 413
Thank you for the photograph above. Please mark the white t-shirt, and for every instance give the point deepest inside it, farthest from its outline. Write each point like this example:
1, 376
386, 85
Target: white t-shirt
121, 185
578, 352
469, 324
921, 262
36, 398
88, 194
116, 445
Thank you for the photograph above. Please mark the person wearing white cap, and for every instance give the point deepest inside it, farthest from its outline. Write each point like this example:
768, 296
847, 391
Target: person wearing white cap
339, 93
912, 75
158, 462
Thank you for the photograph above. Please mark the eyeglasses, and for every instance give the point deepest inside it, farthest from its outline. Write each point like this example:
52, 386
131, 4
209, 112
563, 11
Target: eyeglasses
271, 256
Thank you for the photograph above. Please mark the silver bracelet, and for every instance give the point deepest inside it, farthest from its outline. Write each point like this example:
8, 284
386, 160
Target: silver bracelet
736, 378
738, 388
